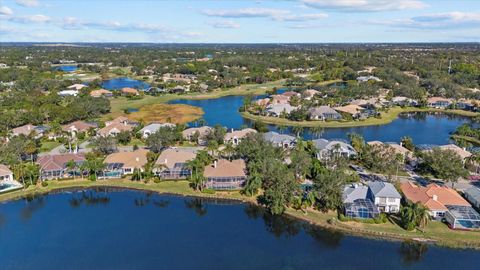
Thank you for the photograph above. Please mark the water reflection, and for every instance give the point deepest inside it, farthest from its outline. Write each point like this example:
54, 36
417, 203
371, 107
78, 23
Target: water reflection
412, 252
197, 205
33, 203
89, 198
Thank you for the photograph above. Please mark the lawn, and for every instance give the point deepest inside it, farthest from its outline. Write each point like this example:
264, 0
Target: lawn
172, 113
47, 146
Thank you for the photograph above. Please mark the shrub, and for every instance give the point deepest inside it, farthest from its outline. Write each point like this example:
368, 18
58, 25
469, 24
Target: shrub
208, 191
157, 180
44, 183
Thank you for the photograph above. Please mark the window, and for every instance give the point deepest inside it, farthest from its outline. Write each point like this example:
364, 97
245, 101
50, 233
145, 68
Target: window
391, 200
383, 200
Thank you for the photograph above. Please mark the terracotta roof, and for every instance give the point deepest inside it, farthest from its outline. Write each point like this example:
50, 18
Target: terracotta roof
4, 170
25, 129
433, 196
128, 90
262, 102
225, 168
119, 119
57, 162
100, 92
80, 126
290, 94
239, 133
436, 99
280, 99
172, 156
135, 159
202, 131
310, 92
350, 109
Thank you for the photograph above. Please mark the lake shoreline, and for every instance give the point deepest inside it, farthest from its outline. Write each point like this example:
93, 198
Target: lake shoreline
181, 188
387, 118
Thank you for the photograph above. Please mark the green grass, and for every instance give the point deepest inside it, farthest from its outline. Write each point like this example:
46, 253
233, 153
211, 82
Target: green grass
435, 231
47, 146
386, 118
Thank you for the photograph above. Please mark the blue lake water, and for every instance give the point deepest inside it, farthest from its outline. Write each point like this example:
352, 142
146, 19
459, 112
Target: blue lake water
66, 68
119, 83
107, 229
424, 128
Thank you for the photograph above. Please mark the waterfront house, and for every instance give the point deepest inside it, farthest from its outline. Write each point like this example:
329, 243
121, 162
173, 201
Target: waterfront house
291, 94
462, 217
6, 175
460, 152
280, 140
466, 104
225, 175
353, 110
127, 91
235, 136
201, 133
77, 86
78, 127
397, 148
434, 197
404, 101
326, 148
385, 196
439, 102
172, 162
356, 203
55, 166
278, 110
323, 113
123, 163
263, 102
152, 128
280, 99
101, 93
473, 196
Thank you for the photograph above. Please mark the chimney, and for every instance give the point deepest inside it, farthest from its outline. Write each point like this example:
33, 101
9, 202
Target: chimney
166, 161
435, 197
215, 164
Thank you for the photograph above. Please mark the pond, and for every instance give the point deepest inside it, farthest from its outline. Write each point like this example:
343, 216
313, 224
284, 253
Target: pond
119, 83
66, 68
119, 229
424, 128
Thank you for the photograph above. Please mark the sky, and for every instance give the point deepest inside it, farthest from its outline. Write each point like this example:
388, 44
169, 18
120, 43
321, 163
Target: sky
238, 21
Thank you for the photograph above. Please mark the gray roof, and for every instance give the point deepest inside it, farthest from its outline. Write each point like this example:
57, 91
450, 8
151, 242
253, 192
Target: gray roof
354, 192
277, 138
155, 127
383, 189
322, 144
474, 193
279, 108
322, 110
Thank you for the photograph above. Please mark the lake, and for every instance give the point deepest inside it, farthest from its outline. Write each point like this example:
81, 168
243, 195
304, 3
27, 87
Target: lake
66, 68
424, 128
119, 83
120, 229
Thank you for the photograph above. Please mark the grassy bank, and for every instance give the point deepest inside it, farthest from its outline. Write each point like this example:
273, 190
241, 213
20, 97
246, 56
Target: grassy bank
386, 118
435, 232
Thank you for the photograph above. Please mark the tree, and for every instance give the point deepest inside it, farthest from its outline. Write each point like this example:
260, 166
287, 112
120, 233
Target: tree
94, 166
280, 187
328, 187
444, 164
71, 166
197, 167
124, 137
164, 137
413, 215
300, 161
105, 145
357, 142
407, 142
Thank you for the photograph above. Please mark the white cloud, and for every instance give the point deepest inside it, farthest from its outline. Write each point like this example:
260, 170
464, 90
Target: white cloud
365, 5
39, 18
445, 20
274, 14
225, 24
28, 3
6, 11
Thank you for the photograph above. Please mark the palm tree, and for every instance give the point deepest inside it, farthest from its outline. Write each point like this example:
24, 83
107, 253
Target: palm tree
94, 166
19, 172
414, 214
317, 131
298, 130
71, 166
228, 151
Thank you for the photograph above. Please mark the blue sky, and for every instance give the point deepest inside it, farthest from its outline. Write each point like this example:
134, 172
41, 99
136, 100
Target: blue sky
236, 21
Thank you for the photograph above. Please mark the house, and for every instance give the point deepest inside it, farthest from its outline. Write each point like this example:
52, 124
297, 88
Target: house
201, 133
280, 140
179, 78
77, 86
152, 128
280, 99
6, 175
356, 203
404, 101
263, 102
179, 89
65, 93
434, 197
101, 93
461, 152
466, 104
385, 196
235, 136
119, 124
225, 175
473, 196
172, 162
78, 127
123, 163
368, 78
354, 110
326, 148
55, 166
277, 110
29, 129
127, 91
439, 102
309, 94
323, 113
291, 94
397, 148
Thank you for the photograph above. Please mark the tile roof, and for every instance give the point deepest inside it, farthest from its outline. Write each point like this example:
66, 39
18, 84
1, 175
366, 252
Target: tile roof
100, 92
225, 168
134, 159
202, 131
171, 156
115, 126
128, 90
80, 126
57, 162
277, 138
4, 170
239, 133
350, 109
433, 196
25, 129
